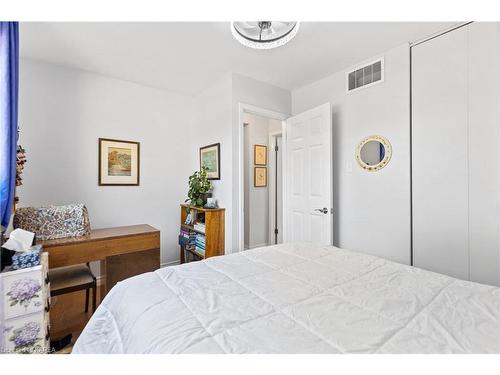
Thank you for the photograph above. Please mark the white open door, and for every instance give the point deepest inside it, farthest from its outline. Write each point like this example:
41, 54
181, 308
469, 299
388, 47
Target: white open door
308, 188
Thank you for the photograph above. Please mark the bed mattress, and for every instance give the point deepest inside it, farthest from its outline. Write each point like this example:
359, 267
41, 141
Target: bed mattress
295, 298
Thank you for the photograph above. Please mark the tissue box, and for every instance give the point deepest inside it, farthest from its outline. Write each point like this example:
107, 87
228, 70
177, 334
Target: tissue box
54, 221
30, 258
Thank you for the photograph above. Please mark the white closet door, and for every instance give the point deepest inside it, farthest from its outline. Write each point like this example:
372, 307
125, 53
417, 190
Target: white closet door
484, 123
439, 154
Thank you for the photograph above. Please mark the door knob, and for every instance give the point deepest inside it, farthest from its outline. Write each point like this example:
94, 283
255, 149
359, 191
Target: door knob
322, 210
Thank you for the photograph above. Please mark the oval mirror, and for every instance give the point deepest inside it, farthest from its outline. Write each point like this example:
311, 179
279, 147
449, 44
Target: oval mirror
373, 153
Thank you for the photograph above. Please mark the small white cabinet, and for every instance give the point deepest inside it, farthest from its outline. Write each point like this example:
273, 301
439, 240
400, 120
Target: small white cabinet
24, 309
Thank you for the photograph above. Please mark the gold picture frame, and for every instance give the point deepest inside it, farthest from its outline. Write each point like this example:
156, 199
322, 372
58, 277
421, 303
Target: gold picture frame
260, 154
260, 177
119, 162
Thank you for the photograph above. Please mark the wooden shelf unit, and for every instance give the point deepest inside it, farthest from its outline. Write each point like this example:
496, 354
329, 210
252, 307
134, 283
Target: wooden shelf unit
214, 231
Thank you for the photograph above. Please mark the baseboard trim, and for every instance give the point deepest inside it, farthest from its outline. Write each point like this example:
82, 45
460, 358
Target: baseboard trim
258, 245
168, 264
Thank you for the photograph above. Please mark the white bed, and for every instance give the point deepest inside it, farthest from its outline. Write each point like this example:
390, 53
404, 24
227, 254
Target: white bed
295, 298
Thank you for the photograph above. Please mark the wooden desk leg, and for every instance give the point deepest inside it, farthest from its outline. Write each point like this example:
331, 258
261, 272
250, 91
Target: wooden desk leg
102, 272
123, 266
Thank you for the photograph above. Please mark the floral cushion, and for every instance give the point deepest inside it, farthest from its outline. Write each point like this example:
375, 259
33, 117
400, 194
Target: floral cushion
54, 221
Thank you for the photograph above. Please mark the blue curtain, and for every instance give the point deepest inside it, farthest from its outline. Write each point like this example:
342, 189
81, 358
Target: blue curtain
9, 78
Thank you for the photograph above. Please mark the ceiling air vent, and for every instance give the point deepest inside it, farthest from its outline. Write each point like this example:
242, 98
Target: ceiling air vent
366, 75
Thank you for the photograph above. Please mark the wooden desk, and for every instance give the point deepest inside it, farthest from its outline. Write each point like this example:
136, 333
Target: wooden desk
123, 251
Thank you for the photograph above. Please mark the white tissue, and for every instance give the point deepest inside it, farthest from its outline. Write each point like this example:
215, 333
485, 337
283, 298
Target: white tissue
19, 240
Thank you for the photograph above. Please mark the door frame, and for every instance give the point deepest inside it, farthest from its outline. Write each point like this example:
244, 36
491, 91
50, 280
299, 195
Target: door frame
259, 111
271, 172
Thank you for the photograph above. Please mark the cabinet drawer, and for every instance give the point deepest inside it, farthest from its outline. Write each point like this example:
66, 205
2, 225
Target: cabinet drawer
23, 293
25, 334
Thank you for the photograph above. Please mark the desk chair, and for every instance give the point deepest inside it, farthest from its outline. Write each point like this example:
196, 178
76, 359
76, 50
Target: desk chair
70, 279
56, 222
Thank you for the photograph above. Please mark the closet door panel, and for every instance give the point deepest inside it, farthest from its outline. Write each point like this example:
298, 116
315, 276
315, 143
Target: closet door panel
439, 154
484, 104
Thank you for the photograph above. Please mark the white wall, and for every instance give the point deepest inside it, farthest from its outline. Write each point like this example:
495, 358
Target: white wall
216, 113
371, 210
62, 113
275, 126
212, 124
72, 109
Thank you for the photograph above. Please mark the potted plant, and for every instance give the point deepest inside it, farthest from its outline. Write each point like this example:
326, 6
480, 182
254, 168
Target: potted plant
199, 188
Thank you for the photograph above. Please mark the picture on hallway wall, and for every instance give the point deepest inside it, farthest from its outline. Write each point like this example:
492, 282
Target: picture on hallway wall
260, 177
260, 154
118, 162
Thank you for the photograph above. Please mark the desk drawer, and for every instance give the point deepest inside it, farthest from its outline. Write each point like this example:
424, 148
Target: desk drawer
83, 252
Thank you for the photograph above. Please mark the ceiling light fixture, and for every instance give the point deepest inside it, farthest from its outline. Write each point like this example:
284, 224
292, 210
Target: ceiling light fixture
264, 34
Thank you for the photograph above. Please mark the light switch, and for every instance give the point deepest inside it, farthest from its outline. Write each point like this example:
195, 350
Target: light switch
348, 167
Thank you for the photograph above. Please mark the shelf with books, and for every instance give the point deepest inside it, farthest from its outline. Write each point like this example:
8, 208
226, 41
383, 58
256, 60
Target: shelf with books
206, 226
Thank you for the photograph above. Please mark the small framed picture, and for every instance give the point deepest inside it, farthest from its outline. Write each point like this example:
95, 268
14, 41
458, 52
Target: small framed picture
210, 158
118, 162
260, 154
260, 177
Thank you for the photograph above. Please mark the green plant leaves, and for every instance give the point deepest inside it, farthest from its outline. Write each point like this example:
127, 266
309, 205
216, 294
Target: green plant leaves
199, 186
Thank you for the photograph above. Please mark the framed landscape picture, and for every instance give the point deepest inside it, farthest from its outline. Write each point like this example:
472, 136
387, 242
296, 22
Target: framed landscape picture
260, 177
260, 154
210, 158
118, 162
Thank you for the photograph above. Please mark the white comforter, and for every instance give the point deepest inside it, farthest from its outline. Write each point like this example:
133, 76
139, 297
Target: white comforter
295, 298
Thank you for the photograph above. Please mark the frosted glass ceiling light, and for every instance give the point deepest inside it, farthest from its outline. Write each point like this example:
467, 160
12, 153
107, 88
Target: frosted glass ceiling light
264, 34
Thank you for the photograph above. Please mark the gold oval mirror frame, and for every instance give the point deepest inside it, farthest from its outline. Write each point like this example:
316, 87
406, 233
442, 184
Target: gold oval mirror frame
381, 151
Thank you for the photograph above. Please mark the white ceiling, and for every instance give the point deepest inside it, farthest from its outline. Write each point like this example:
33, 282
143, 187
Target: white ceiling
186, 57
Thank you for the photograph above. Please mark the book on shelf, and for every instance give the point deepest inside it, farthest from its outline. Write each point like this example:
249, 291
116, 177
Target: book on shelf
199, 227
187, 237
187, 234
199, 250
200, 240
